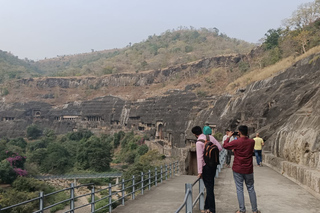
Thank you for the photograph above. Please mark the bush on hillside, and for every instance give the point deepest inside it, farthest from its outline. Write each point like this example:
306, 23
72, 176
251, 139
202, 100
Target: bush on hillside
33, 132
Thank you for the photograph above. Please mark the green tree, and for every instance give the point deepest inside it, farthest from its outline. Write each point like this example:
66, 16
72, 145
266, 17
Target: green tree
143, 149
56, 160
33, 132
81, 134
20, 142
7, 174
94, 154
117, 137
272, 38
271, 57
37, 156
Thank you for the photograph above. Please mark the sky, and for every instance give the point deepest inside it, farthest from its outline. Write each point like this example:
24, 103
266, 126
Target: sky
38, 29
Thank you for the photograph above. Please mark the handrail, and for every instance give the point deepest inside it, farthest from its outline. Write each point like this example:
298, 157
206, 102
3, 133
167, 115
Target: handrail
137, 185
79, 176
188, 192
188, 202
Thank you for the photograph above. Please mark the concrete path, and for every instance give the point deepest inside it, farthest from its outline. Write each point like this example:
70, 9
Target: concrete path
165, 198
275, 194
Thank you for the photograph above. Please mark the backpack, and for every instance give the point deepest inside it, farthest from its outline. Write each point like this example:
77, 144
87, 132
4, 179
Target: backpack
210, 153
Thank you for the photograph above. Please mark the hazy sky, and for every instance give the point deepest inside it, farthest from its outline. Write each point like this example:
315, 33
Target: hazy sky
41, 28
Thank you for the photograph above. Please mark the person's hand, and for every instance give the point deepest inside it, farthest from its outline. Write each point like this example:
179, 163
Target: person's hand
200, 175
230, 134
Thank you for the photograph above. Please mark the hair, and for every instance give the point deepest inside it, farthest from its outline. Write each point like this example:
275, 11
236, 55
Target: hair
243, 130
196, 130
227, 130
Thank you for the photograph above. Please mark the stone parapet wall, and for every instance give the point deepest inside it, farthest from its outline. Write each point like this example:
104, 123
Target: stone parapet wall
307, 178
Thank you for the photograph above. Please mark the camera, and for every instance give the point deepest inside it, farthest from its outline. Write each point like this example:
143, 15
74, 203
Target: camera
235, 134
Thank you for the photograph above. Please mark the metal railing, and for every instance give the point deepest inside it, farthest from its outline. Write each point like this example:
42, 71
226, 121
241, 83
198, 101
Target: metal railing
131, 187
188, 201
79, 176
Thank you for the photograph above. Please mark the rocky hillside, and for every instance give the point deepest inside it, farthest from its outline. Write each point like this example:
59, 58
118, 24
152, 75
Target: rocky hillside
283, 108
13, 68
171, 48
204, 77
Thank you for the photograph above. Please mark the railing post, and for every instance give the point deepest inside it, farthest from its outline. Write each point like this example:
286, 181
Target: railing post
161, 174
142, 183
122, 191
170, 165
133, 188
41, 201
217, 172
201, 192
174, 168
92, 200
149, 179
178, 167
110, 197
166, 172
189, 204
155, 177
72, 198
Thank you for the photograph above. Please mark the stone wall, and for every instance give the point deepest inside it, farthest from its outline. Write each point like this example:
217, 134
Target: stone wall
305, 176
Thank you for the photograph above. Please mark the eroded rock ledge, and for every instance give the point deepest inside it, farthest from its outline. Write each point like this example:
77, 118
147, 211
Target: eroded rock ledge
285, 110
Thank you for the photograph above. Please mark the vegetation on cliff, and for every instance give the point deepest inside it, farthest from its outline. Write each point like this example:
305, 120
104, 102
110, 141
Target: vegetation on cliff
76, 152
172, 47
13, 68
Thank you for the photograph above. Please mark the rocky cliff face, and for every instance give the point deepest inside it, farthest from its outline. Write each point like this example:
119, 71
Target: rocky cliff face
284, 109
135, 79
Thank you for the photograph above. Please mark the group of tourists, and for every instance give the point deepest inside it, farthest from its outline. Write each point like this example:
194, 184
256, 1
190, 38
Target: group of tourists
237, 144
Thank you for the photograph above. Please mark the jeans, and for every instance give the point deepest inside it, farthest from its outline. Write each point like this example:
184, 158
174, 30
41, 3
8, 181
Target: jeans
258, 156
208, 174
248, 178
228, 159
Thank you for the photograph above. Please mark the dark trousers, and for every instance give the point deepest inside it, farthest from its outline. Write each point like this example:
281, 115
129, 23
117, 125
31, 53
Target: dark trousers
228, 159
258, 156
208, 174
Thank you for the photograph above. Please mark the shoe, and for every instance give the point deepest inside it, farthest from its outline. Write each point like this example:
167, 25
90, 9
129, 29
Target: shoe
257, 211
238, 211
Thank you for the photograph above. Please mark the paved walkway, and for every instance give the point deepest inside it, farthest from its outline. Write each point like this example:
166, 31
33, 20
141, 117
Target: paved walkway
275, 194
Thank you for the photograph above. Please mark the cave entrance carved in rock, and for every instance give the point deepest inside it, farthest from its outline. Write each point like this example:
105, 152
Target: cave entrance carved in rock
159, 133
192, 168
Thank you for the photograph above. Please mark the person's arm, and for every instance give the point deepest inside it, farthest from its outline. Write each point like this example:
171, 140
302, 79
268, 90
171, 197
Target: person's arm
215, 142
262, 143
200, 161
226, 140
229, 145
223, 139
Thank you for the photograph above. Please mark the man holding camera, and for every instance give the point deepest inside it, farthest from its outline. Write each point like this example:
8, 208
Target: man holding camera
243, 167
